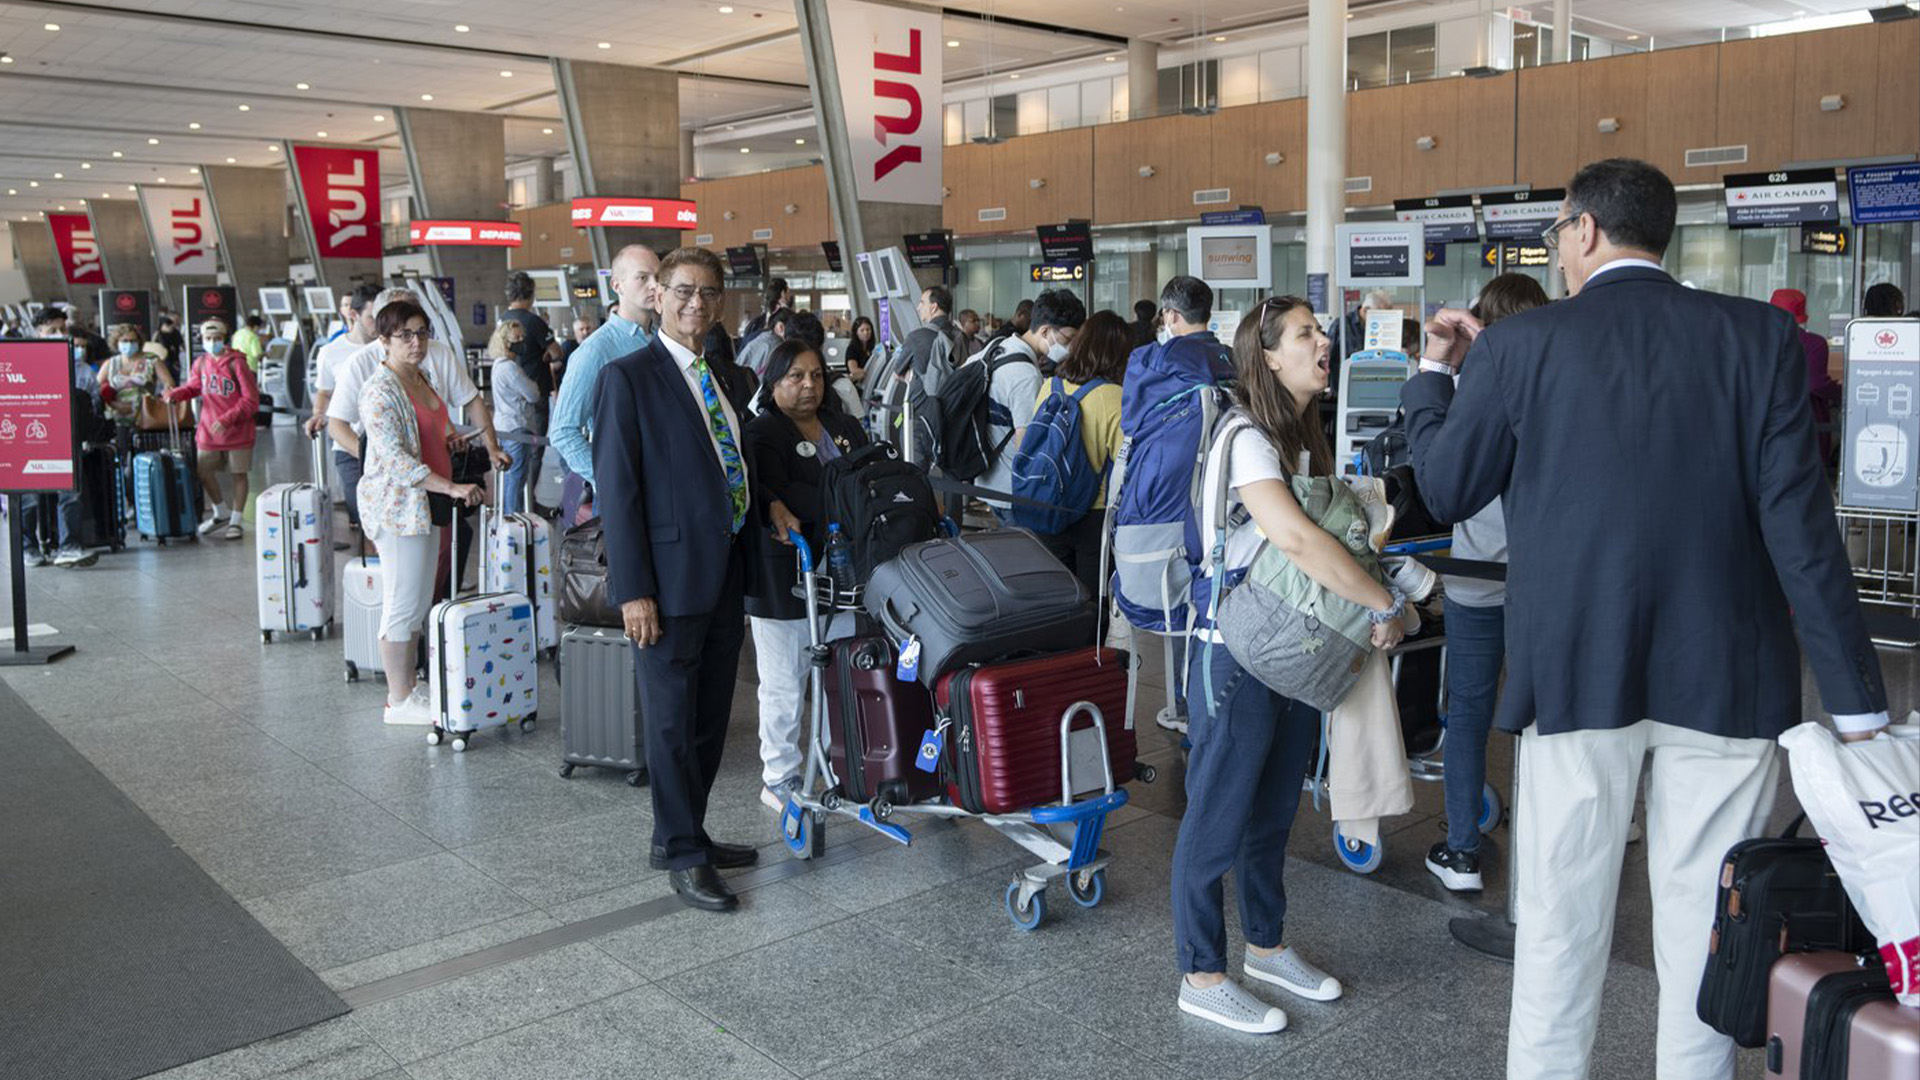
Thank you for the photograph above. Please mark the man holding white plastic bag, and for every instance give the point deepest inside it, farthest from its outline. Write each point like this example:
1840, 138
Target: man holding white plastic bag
1670, 534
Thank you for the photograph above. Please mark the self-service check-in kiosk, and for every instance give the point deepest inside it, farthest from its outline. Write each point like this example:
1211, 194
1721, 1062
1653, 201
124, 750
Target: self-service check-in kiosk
1370, 383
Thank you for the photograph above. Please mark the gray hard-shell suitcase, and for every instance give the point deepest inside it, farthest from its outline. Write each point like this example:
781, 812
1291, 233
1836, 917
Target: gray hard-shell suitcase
981, 597
599, 703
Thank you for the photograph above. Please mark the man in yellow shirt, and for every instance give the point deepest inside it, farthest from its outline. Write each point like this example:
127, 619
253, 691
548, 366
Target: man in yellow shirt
247, 340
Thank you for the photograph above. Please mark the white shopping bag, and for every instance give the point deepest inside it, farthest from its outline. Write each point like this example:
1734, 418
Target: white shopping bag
1863, 799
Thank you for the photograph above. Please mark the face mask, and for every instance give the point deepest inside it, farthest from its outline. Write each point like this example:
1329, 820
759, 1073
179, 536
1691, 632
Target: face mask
1163, 335
128, 348
1056, 352
79, 351
215, 344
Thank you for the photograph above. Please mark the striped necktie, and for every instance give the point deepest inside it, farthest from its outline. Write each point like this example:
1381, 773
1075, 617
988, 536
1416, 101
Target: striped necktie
730, 461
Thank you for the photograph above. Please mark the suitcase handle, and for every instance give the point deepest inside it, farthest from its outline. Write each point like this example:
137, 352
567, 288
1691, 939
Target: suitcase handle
299, 557
1066, 749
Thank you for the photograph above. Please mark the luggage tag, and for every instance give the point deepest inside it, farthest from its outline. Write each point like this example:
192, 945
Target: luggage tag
928, 759
908, 669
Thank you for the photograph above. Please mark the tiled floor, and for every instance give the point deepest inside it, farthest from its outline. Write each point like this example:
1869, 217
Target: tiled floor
372, 855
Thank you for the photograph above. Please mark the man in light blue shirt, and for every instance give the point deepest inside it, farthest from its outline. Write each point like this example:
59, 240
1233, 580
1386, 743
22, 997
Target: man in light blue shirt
625, 331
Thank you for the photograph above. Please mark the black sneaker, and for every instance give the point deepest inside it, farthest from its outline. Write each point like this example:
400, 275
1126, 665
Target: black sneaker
1459, 871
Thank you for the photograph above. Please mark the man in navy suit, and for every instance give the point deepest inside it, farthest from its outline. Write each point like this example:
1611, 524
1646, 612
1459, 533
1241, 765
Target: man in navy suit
671, 486
1670, 528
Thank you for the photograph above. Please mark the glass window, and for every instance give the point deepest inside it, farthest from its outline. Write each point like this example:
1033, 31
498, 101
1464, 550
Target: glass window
1367, 61
1189, 85
1526, 44
1006, 117
1410, 54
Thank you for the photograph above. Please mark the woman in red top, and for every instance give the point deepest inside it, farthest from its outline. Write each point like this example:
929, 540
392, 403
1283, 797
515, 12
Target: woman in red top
229, 397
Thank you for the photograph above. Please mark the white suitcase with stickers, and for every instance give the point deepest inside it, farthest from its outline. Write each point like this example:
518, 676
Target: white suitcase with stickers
482, 667
293, 554
518, 557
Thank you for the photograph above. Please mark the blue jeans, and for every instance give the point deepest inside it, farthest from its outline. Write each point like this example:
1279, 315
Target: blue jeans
513, 496
50, 520
1250, 753
1476, 649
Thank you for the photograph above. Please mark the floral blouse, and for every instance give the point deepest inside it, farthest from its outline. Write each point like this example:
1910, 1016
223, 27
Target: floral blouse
391, 497
131, 380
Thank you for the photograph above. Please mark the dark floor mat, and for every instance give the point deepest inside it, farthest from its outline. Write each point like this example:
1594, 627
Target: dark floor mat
119, 956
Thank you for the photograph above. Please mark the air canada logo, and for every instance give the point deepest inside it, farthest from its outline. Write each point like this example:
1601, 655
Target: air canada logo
1886, 339
124, 302
213, 300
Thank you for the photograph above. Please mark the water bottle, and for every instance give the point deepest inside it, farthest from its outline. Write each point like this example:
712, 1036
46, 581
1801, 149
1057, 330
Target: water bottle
840, 559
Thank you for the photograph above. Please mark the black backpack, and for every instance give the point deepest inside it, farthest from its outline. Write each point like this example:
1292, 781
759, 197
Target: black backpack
881, 503
966, 448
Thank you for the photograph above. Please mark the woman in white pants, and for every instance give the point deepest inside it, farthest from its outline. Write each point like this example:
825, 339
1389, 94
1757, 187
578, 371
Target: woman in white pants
798, 431
408, 457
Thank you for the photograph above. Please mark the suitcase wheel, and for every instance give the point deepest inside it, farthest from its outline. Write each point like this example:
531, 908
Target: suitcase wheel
1026, 918
1355, 855
266, 636
459, 744
1492, 810
434, 737
1144, 773
353, 672
527, 724
566, 771
1087, 889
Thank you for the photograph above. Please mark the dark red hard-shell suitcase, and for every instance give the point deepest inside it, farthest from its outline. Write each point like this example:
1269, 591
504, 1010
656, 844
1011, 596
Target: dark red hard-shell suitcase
876, 724
1003, 748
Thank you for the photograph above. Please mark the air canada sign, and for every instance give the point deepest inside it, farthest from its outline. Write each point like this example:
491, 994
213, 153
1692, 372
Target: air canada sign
889, 75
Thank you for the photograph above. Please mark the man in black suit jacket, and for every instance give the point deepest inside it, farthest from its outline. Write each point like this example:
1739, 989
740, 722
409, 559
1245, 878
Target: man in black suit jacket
1666, 514
671, 486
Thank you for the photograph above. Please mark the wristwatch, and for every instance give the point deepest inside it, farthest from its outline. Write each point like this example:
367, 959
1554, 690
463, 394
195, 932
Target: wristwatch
1392, 611
1438, 367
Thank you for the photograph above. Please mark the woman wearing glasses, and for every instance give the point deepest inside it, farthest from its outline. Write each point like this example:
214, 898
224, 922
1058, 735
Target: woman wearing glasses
1250, 745
408, 457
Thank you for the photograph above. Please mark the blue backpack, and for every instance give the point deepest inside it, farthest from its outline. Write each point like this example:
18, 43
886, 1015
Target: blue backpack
1173, 400
1052, 464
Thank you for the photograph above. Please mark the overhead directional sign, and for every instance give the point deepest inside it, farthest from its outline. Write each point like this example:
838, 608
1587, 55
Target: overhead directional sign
1054, 273
1831, 240
1787, 197
1448, 219
1521, 215
1518, 255
643, 213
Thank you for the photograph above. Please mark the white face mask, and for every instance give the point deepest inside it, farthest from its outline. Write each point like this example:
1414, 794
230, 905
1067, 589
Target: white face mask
1163, 335
1056, 352
128, 348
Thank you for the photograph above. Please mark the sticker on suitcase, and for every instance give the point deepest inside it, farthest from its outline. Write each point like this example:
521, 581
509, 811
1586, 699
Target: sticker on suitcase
520, 560
293, 544
488, 666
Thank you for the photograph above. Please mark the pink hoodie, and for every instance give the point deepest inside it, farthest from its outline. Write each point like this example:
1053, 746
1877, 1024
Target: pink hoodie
228, 399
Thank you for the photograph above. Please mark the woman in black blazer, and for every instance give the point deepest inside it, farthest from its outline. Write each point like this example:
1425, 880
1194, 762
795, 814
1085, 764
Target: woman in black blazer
788, 447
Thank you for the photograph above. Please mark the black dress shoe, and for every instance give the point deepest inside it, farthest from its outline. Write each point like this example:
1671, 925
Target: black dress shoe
701, 887
722, 856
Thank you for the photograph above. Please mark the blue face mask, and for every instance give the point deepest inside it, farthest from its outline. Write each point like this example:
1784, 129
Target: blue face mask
128, 348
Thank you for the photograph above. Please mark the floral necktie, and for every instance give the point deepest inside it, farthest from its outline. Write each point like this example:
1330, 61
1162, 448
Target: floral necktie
730, 461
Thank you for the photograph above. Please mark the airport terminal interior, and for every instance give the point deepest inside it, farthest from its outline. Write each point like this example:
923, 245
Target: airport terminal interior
231, 854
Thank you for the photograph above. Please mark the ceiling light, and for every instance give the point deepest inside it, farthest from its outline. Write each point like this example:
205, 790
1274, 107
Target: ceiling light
953, 44
86, 164
461, 28
1633, 37
746, 149
379, 118
162, 180
233, 161
320, 134
195, 170
799, 142
106, 194
33, 183
246, 108
13, 191
54, 27
153, 142
1015, 75
546, 131
1110, 59
301, 86
193, 125
117, 153
59, 176
63, 206
426, 97
603, 44
506, 74
1219, 39
6, 58
273, 148
131, 187
726, 9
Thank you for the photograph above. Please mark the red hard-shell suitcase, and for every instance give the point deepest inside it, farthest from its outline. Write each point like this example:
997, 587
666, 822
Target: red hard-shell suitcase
876, 724
1003, 748
1831, 1017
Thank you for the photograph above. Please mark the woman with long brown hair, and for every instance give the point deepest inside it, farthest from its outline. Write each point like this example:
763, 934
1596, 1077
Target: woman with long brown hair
1251, 746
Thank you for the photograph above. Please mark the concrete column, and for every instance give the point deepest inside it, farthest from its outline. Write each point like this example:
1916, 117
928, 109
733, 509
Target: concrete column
457, 163
1143, 79
545, 184
33, 248
623, 126
1326, 137
125, 250
1562, 31
859, 226
689, 157
249, 207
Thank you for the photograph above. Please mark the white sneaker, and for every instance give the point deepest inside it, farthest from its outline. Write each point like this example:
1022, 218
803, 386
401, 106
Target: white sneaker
75, 557
415, 710
1286, 970
774, 796
1171, 720
211, 524
1230, 1005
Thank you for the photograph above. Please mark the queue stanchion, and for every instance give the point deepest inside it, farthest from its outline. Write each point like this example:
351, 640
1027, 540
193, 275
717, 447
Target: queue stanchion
23, 654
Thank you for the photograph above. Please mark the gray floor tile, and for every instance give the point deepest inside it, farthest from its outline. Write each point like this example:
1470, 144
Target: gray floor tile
1007, 1038
212, 806
434, 950
940, 854
120, 689
554, 864
336, 922
641, 1034
273, 858
455, 1014
335, 1050
468, 813
413, 767
690, 939
899, 989
179, 747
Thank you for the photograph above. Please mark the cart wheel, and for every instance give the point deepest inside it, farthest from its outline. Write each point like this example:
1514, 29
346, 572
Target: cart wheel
798, 830
882, 808
1145, 773
353, 672
830, 799
637, 778
319, 633
266, 635
566, 771
1355, 855
1027, 918
434, 737
527, 724
459, 743
1087, 889
1492, 810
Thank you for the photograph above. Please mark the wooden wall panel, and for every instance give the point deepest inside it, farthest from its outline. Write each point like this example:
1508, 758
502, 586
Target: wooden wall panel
1276, 127
1843, 61
1181, 148
1374, 142
1615, 87
1683, 92
1238, 143
1756, 101
1434, 110
1897, 127
1546, 139
963, 171
1168, 144
547, 232
1064, 159
1485, 130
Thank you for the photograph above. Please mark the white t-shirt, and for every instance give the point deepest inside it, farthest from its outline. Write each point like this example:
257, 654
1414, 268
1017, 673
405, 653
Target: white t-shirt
1254, 459
328, 358
446, 372
1016, 388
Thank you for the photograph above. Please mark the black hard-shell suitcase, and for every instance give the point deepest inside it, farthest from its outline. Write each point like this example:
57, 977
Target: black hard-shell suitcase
599, 703
103, 507
876, 724
1777, 896
980, 597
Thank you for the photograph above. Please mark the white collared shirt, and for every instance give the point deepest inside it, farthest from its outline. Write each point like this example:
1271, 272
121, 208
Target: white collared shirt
1621, 264
685, 357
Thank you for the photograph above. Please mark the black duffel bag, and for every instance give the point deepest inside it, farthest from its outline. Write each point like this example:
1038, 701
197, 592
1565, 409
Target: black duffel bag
583, 577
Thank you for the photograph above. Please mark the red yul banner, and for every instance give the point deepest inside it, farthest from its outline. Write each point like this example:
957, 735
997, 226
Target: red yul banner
342, 189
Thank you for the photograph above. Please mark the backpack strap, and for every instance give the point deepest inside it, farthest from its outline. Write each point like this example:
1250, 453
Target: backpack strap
1215, 565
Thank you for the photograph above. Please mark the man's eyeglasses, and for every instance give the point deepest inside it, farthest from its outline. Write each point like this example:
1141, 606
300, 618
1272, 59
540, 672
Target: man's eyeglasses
1551, 237
411, 336
686, 293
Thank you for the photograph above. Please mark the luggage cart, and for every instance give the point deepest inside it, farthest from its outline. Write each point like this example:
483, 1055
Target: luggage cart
1428, 765
1065, 836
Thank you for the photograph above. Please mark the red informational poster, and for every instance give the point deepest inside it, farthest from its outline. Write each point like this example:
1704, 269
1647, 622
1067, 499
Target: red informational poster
36, 416
342, 188
79, 252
